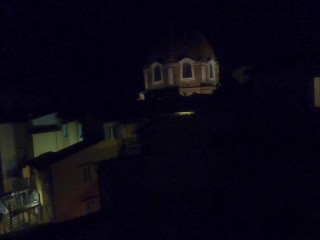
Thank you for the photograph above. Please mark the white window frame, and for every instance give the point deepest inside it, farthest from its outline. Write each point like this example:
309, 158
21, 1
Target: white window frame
191, 62
212, 64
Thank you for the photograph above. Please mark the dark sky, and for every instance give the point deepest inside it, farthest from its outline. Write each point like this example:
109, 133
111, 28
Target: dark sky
54, 51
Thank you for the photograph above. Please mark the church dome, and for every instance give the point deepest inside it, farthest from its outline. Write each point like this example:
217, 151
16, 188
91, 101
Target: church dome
174, 47
183, 60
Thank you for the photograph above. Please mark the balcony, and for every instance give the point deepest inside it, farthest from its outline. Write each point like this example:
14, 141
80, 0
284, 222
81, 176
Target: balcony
21, 201
20, 209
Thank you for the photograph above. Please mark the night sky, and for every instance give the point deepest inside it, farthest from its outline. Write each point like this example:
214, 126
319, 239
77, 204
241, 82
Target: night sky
84, 53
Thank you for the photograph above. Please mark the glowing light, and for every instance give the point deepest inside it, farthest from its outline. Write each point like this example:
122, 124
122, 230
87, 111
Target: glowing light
183, 113
141, 97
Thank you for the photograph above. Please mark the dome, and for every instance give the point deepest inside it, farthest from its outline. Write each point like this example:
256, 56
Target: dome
184, 60
174, 47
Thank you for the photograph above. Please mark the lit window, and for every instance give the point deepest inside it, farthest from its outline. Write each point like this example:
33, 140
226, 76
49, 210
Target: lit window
186, 70
87, 175
184, 113
65, 130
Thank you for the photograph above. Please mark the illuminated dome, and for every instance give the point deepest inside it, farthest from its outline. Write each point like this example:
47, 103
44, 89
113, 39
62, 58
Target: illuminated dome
175, 47
185, 61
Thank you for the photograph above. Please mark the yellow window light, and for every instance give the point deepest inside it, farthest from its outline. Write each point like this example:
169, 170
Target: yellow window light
183, 113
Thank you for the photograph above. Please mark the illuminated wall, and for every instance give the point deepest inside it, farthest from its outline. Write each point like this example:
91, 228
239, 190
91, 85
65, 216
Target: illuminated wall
74, 181
74, 178
22, 141
200, 71
68, 188
50, 134
43, 184
203, 80
56, 140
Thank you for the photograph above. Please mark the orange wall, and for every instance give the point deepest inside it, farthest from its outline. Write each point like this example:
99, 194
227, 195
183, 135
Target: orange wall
69, 188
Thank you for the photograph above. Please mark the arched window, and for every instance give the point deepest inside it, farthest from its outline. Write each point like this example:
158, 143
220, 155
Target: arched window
157, 73
186, 70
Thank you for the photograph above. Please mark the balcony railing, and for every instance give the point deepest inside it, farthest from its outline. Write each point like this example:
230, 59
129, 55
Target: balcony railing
20, 201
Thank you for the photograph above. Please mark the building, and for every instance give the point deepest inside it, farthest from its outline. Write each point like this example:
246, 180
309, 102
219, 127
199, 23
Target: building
50, 133
49, 171
185, 61
59, 181
24, 200
67, 179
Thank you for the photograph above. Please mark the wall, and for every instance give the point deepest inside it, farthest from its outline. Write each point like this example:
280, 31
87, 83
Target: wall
51, 141
14, 148
70, 190
196, 83
44, 187
54, 141
76, 194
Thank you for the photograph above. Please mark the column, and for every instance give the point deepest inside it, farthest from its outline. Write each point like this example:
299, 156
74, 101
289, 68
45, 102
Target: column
203, 74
